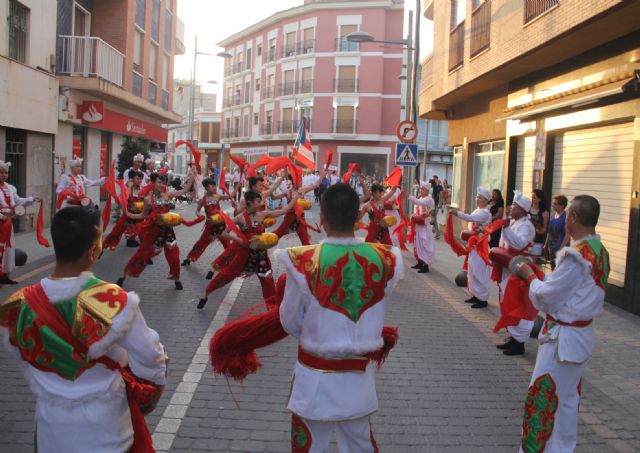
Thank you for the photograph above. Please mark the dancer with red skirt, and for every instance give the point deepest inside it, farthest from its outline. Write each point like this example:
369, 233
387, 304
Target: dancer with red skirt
377, 230
126, 225
156, 233
248, 258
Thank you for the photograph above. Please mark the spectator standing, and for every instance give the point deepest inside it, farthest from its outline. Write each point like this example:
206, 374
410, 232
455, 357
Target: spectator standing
539, 215
556, 236
496, 207
215, 172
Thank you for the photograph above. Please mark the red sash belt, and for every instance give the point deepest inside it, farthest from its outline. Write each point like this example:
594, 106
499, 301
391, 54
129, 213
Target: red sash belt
353, 364
570, 324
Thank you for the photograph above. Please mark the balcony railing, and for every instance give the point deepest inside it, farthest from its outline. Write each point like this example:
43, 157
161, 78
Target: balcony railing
346, 85
231, 132
266, 129
268, 92
534, 8
342, 45
481, 28
304, 86
287, 127
236, 68
345, 126
456, 47
137, 84
87, 56
153, 92
288, 50
270, 55
165, 99
308, 46
287, 88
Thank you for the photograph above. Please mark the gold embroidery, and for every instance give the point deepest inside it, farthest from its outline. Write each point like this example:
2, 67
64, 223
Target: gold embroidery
102, 303
14, 301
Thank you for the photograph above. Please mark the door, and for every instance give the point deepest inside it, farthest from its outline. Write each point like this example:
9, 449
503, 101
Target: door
599, 162
524, 164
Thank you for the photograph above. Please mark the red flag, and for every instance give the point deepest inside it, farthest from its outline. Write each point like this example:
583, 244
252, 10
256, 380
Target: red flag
39, 227
124, 194
239, 161
106, 214
329, 158
222, 183
395, 177
197, 155
164, 170
352, 167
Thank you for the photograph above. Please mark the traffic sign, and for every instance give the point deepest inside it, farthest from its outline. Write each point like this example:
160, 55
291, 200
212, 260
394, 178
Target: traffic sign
407, 131
406, 154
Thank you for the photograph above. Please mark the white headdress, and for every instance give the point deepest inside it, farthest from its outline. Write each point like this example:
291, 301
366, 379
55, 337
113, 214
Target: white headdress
484, 193
425, 184
521, 200
138, 158
148, 161
5, 165
75, 162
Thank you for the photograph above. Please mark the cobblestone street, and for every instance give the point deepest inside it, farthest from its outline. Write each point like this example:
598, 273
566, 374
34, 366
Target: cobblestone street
444, 388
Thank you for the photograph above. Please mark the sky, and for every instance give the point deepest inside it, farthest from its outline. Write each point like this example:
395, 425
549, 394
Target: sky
215, 20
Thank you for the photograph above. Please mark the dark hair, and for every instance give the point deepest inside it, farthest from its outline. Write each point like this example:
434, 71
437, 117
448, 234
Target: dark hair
375, 187
206, 182
253, 180
587, 209
542, 205
561, 200
135, 173
74, 230
158, 177
251, 195
340, 205
499, 193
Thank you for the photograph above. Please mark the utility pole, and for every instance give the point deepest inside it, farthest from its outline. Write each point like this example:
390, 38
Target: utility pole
193, 93
407, 172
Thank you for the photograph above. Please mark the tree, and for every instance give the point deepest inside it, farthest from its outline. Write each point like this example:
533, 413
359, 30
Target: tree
130, 147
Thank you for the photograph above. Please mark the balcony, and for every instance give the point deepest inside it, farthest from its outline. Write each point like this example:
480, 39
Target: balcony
153, 92
535, 8
288, 50
266, 129
269, 55
287, 89
342, 45
231, 132
308, 46
456, 47
287, 127
269, 92
304, 86
345, 85
345, 126
480, 28
86, 56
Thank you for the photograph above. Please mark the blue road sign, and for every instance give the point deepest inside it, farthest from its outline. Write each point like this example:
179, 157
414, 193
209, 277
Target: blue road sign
406, 154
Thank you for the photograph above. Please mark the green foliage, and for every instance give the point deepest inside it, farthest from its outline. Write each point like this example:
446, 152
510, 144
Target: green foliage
130, 147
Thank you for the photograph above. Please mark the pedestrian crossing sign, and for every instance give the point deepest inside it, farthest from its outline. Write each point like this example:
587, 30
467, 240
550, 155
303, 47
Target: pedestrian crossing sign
406, 154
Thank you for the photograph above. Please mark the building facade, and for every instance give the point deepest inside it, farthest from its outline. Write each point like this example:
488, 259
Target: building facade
114, 61
299, 62
28, 98
545, 94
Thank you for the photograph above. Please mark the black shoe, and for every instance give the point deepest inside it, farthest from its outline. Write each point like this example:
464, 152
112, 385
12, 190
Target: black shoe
132, 243
178, 285
480, 304
507, 344
7, 281
120, 282
201, 303
186, 263
472, 300
417, 266
149, 262
424, 269
209, 275
516, 349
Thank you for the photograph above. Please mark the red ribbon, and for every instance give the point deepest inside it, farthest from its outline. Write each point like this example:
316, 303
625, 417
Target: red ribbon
190, 223
329, 159
40, 227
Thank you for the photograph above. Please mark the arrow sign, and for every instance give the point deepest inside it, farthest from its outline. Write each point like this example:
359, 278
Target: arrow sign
406, 154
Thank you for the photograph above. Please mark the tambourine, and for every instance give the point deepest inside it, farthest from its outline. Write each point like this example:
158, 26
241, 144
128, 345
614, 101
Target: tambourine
269, 222
137, 207
389, 221
304, 204
169, 219
19, 211
267, 240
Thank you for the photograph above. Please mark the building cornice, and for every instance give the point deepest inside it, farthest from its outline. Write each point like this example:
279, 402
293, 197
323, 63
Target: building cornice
305, 9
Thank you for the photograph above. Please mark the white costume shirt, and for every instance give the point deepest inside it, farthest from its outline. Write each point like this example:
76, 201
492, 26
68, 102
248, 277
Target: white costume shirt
569, 294
9, 199
478, 272
92, 413
323, 332
424, 240
81, 183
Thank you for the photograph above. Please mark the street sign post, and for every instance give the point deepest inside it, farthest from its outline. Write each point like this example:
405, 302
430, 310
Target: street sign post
406, 131
406, 154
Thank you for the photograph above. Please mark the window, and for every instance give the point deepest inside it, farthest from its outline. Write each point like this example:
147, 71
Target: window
257, 84
344, 122
248, 58
290, 44
488, 166
168, 32
256, 118
259, 50
272, 50
153, 61
458, 12
247, 91
456, 195
287, 125
140, 13
137, 50
346, 82
80, 25
155, 21
343, 44
165, 71
137, 84
306, 84
15, 142
289, 83
245, 125
307, 40
17, 23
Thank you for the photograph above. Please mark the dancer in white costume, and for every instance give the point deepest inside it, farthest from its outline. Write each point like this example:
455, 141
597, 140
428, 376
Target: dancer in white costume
517, 237
73, 187
571, 296
423, 240
478, 271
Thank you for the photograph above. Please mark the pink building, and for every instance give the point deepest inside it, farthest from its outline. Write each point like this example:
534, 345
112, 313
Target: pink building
299, 60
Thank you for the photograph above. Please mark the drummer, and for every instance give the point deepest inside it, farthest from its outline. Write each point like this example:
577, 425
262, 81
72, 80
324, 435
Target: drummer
11, 205
72, 188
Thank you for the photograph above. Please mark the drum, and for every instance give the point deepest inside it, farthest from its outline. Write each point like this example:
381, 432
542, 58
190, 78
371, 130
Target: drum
216, 219
418, 219
501, 256
389, 221
19, 211
466, 234
137, 207
86, 202
269, 222
304, 204
267, 240
169, 219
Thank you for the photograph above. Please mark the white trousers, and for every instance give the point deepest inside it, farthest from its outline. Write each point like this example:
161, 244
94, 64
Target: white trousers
522, 331
424, 244
562, 380
478, 277
352, 436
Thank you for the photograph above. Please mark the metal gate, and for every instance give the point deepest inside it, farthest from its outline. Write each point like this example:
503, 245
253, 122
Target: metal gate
15, 147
